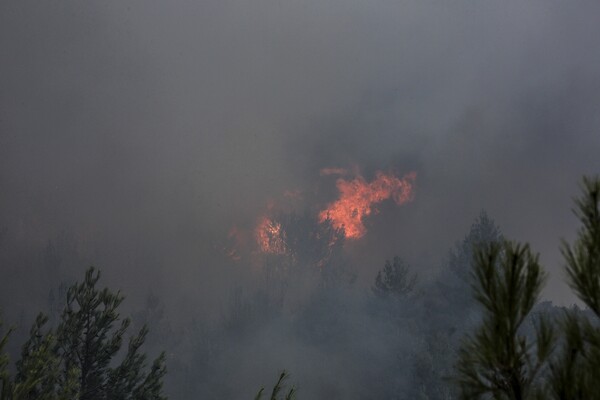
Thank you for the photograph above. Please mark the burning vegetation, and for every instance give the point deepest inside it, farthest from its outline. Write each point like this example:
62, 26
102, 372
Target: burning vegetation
357, 199
270, 236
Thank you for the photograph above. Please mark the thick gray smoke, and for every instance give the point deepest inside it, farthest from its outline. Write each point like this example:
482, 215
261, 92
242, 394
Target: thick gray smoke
135, 134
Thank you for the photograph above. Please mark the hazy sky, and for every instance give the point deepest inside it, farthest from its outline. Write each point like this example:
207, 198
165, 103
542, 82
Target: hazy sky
147, 129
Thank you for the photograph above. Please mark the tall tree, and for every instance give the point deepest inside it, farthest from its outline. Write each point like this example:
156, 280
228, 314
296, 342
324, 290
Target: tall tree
451, 301
91, 334
498, 360
78, 360
450, 312
394, 280
575, 374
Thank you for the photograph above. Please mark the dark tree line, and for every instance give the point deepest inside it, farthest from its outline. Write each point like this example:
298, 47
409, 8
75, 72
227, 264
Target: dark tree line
512, 347
503, 344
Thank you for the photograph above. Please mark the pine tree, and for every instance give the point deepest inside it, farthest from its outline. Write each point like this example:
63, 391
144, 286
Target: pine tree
499, 360
38, 370
394, 280
451, 312
575, 374
89, 337
78, 359
583, 258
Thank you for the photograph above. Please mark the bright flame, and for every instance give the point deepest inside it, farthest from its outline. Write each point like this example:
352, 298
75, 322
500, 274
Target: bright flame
270, 236
358, 199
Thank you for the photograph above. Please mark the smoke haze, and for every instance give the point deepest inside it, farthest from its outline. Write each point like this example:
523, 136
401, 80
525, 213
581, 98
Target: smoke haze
135, 134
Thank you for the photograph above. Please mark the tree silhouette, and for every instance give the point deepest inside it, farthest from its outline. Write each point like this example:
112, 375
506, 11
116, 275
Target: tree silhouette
499, 360
394, 280
78, 360
576, 371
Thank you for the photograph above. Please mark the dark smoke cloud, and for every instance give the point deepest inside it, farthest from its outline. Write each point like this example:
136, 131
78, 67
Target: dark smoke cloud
147, 129
135, 134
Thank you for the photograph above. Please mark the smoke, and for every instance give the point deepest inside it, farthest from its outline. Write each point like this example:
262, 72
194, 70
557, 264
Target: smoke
166, 124
135, 135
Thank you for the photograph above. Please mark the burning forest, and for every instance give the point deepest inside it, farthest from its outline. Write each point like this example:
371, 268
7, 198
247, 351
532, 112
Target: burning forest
325, 200
357, 199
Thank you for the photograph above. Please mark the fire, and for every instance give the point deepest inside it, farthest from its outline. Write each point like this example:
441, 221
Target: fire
269, 236
358, 198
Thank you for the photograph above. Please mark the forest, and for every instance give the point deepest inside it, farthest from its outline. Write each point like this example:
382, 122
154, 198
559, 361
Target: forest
307, 199
478, 330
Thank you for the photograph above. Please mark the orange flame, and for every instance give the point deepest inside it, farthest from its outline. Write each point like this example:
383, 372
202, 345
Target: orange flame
270, 237
358, 199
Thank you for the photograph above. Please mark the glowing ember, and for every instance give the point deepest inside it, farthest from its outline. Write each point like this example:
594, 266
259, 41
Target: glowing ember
270, 237
359, 197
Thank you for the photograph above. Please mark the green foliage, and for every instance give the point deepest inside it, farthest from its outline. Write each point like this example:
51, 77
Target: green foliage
87, 339
574, 373
5, 382
91, 334
278, 389
78, 360
583, 258
38, 370
394, 280
498, 360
